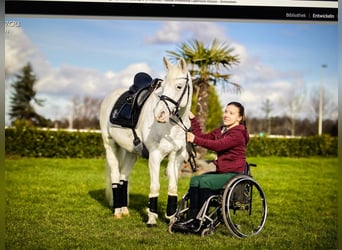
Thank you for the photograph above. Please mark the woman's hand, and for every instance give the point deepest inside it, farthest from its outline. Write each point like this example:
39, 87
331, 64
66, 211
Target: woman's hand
190, 137
191, 115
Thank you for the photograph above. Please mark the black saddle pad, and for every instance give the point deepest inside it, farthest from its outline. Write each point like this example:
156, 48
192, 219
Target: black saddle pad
122, 109
126, 110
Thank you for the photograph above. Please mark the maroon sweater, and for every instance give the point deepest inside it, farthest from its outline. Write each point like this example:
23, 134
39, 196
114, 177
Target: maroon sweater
230, 146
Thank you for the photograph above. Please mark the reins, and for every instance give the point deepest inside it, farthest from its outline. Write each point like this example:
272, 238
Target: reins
190, 147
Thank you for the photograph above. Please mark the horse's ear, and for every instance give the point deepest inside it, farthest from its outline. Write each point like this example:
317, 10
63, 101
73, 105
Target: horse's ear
166, 63
182, 64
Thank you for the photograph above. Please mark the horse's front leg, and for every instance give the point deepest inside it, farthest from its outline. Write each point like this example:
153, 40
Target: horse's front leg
176, 159
154, 167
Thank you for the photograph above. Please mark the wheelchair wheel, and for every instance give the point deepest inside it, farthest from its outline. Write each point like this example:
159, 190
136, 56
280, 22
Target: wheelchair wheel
206, 232
244, 207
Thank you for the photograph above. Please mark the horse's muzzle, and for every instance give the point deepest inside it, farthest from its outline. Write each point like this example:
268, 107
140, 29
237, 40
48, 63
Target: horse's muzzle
162, 116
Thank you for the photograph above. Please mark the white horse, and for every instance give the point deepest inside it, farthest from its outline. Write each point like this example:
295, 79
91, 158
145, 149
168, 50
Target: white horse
160, 134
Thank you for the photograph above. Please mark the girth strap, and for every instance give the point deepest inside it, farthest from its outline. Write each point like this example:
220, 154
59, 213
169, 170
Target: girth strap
139, 146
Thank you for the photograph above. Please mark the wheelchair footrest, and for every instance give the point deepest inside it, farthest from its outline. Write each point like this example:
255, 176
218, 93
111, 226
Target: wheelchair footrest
190, 226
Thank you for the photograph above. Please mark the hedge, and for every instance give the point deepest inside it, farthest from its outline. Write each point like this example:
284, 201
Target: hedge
32, 142
324, 145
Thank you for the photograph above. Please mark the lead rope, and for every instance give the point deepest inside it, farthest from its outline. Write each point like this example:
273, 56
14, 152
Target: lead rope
190, 147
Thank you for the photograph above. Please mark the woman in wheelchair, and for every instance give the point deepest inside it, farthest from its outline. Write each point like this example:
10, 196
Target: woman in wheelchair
229, 142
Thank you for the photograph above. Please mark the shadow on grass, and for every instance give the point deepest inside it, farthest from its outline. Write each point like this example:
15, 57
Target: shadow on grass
100, 196
137, 202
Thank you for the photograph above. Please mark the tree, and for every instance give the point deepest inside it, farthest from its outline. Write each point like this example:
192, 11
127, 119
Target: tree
294, 106
206, 67
21, 99
267, 108
85, 112
215, 113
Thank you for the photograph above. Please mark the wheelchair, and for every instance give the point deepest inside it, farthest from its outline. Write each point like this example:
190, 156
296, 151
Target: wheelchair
241, 206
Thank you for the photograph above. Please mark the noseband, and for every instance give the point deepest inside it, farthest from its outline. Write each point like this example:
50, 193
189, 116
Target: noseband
168, 100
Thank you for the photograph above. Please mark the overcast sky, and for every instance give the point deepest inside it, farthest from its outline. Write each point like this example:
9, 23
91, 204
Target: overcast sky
89, 57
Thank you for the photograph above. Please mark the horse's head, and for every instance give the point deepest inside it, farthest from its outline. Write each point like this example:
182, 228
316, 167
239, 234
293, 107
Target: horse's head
176, 94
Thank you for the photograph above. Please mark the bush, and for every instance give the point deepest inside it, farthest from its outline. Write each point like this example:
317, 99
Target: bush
26, 141
32, 142
293, 147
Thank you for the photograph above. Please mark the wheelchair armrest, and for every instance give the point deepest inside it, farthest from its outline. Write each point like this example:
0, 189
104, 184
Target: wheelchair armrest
247, 169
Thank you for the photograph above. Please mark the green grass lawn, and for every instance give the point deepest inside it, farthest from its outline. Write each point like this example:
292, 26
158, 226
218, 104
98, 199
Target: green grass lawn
60, 204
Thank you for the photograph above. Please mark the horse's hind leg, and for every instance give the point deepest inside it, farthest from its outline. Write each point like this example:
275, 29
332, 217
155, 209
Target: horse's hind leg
127, 160
113, 177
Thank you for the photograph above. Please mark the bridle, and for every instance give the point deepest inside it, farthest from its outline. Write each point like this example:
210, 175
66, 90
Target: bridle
175, 113
167, 100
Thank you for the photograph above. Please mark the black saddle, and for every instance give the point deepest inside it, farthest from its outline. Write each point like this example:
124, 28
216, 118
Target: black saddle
127, 108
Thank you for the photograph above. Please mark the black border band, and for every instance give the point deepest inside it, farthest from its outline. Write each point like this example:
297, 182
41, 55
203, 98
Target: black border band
171, 10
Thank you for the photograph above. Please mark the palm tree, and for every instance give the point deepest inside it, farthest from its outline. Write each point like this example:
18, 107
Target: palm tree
209, 66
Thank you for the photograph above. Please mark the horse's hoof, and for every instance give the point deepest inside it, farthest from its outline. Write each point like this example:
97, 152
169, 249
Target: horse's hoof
152, 218
117, 216
151, 225
125, 212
